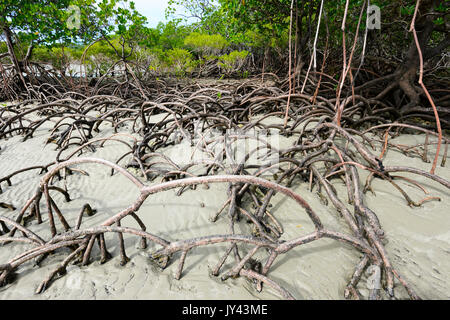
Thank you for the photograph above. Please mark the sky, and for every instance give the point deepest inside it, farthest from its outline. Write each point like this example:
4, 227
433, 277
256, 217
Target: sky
154, 10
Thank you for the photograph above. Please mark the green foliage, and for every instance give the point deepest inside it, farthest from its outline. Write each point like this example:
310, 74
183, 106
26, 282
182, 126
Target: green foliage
234, 56
170, 35
58, 57
224, 26
20, 49
46, 55
207, 13
106, 48
39, 20
126, 25
113, 16
3, 47
233, 61
205, 44
40, 23
179, 61
157, 63
266, 17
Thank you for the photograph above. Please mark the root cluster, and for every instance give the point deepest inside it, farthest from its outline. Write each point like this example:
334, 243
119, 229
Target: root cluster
322, 153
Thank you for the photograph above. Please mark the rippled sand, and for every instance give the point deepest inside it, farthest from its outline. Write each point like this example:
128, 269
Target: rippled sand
418, 238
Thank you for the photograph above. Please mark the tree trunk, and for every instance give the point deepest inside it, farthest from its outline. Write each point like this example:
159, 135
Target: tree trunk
407, 71
12, 54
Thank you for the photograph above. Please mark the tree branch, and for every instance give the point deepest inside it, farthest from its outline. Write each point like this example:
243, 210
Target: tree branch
432, 52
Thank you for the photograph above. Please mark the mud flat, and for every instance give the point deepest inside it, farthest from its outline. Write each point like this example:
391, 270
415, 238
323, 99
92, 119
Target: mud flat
418, 239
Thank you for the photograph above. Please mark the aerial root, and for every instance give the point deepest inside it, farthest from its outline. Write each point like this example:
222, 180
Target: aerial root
317, 158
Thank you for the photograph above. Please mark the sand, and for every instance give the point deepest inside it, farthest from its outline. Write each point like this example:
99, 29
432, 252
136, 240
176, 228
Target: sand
418, 239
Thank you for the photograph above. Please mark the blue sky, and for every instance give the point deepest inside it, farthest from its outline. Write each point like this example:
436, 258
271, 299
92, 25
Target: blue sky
154, 10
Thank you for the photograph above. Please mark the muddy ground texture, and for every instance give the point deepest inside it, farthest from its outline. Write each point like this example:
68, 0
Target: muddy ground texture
201, 192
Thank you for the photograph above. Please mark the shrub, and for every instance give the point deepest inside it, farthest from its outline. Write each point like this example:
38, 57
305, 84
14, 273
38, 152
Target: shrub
105, 49
205, 44
232, 62
170, 35
156, 58
180, 61
55, 56
3, 47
